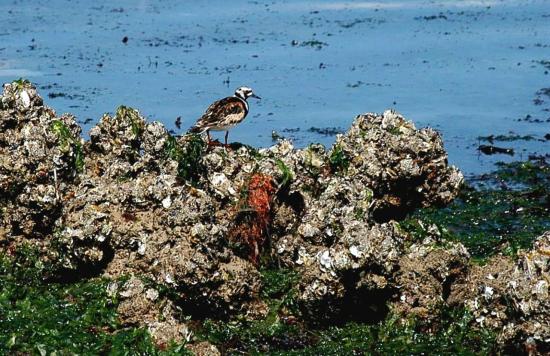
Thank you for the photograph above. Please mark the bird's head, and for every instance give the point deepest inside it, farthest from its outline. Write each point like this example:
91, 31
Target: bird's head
245, 93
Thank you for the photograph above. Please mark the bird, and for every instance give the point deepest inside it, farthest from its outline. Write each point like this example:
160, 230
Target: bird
224, 114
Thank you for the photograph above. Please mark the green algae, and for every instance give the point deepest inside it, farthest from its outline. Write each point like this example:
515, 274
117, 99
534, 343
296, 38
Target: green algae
499, 213
277, 330
339, 160
67, 141
131, 114
21, 83
188, 156
45, 317
393, 336
286, 174
282, 332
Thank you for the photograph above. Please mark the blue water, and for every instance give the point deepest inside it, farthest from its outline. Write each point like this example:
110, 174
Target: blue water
466, 68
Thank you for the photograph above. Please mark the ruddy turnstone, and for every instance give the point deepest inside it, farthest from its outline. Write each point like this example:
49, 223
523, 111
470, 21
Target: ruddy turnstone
224, 114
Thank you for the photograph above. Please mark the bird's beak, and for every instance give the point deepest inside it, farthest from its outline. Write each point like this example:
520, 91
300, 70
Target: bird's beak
255, 96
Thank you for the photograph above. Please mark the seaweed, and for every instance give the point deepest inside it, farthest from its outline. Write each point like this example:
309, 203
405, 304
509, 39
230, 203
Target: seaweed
21, 83
188, 157
67, 141
124, 112
253, 215
43, 317
286, 174
506, 211
339, 160
506, 138
81, 317
393, 336
278, 330
275, 335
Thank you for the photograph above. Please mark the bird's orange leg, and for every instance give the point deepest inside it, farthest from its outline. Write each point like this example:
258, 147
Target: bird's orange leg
211, 143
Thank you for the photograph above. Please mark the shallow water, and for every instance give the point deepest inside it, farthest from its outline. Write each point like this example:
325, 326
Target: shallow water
467, 68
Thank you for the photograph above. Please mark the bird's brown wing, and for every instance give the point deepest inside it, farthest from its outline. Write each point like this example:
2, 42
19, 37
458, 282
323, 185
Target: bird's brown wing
217, 112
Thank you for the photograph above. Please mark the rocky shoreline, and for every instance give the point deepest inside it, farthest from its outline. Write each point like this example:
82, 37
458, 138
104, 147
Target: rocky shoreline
183, 230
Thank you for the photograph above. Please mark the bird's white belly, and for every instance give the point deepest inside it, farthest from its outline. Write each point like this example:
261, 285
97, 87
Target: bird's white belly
228, 123
222, 128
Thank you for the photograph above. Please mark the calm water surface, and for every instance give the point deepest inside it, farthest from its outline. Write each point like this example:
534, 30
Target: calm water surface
467, 68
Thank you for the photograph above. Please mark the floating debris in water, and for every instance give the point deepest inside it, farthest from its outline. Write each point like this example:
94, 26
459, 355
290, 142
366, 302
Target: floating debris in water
326, 131
491, 150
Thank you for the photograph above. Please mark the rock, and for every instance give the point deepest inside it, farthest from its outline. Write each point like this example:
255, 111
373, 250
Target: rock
491, 150
135, 201
511, 295
404, 167
428, 275
337, 278
507, 294
204, 349
139, 307
39, 157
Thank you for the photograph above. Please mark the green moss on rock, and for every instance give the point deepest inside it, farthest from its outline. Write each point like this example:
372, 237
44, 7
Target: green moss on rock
505, 211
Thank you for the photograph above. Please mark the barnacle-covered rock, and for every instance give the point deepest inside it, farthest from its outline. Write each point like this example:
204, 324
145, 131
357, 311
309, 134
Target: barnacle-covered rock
512, 296
349, 277
39, 156
204, 348
428, 274
405, 167
142, 305
135, 215
197, 220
